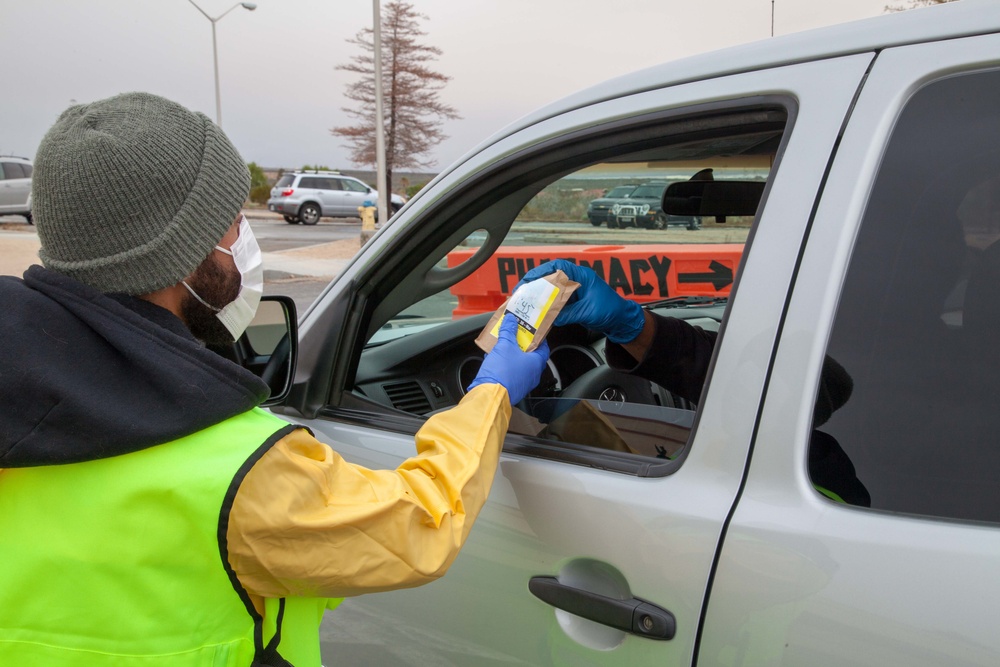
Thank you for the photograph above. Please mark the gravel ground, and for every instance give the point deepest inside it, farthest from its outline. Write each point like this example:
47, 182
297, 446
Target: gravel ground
18, 248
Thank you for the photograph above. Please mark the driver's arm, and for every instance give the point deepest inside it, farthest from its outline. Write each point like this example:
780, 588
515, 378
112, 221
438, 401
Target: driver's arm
669, 352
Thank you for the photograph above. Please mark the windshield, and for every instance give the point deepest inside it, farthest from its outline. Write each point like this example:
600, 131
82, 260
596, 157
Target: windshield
649, 191
620, 191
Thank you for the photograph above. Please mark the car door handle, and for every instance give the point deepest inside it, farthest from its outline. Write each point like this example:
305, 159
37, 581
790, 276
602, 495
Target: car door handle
634, 615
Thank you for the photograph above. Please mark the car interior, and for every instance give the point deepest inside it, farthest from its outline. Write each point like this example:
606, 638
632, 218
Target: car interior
417, 354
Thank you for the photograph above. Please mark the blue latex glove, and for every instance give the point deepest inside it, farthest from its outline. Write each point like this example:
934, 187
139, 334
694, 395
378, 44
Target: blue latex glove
519, 372
594, 304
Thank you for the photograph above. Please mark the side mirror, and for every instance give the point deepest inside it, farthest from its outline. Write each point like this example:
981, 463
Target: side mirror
269, 347
713, 198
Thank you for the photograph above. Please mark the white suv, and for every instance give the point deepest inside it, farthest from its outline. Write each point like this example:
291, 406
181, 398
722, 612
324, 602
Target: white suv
15, 186
307, 196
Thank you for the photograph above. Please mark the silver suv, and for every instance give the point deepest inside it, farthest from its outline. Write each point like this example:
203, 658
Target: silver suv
15, 186
645, 515
307, 196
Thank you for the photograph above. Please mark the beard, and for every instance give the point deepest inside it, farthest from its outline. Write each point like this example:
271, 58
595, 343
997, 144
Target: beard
217, 286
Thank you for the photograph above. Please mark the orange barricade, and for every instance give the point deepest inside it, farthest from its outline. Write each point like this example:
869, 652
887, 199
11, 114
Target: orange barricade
640, 272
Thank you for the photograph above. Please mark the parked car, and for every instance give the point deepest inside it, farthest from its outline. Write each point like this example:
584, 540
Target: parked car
659, 531
15, 186
598, 209
306, 196
643, 209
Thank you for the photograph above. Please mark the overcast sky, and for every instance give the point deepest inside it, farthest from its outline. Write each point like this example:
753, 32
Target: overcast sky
281, 92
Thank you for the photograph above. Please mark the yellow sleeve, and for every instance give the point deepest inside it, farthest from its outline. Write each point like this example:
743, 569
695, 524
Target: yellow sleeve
305, 522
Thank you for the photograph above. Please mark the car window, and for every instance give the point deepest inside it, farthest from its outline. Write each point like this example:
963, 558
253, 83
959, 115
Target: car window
13, 170
313, 182
917, 325
619, 191
285, 181
353, 186
682, 266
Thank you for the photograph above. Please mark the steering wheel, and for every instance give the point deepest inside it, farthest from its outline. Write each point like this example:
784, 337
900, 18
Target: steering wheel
606, 384
276, 368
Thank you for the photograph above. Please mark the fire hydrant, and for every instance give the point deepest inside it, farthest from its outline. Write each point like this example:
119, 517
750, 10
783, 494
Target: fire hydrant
367, 214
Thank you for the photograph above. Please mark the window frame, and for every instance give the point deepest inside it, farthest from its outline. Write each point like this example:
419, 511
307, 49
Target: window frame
531, 170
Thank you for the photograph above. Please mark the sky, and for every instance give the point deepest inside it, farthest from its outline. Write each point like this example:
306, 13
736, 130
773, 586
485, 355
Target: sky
280, 89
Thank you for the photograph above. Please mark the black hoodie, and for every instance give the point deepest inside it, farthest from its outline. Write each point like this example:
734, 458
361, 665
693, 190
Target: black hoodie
86, 375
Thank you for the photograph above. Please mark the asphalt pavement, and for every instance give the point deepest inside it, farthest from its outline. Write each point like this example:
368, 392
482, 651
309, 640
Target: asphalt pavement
299, 261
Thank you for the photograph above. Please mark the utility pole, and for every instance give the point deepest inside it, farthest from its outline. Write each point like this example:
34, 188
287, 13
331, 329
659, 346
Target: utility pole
772, 18
380, 183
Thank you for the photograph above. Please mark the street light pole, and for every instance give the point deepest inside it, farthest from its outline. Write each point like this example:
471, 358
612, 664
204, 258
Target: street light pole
380, 180
249, 6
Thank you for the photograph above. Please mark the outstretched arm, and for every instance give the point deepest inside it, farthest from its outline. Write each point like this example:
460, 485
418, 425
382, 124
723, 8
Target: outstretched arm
305, 522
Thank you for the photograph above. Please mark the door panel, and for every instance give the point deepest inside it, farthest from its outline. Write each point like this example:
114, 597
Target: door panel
9, 191
354, 197
806, 580
329, 196
616, 534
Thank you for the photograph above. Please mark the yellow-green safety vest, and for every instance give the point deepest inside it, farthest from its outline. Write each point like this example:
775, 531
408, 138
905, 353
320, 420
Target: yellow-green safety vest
123, 561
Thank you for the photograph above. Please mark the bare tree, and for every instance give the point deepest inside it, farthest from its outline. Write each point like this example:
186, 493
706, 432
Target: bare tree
912, 4
413, 111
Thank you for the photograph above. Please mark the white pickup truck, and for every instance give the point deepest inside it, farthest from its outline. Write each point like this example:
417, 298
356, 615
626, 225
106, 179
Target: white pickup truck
673, 531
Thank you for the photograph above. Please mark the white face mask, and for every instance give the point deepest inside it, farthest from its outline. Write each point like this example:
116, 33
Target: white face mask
236, 316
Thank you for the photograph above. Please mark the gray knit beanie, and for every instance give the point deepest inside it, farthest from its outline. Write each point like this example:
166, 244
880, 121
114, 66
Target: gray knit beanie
131, 193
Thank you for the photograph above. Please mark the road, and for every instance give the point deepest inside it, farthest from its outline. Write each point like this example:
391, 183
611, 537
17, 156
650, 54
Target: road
301, 278
300, 260
274, 234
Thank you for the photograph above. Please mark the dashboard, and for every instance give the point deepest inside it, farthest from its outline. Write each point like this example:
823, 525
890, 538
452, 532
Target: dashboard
427, 370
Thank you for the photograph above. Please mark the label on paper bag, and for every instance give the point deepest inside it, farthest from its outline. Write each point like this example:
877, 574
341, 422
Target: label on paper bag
535, 305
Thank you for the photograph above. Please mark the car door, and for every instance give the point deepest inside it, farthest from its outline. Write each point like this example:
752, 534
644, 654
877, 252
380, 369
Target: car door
899, 284
329, 195
586, 521
355, 195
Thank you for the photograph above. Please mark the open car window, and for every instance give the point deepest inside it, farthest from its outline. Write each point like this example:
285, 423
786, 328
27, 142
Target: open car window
419, 354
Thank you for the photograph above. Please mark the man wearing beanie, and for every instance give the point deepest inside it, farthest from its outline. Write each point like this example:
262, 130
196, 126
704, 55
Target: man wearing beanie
150, 512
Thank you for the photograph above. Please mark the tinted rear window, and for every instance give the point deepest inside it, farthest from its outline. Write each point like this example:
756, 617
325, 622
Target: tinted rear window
919, 316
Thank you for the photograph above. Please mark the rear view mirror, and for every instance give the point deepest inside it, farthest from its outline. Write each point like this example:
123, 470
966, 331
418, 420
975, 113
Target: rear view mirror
269, 347
713, 198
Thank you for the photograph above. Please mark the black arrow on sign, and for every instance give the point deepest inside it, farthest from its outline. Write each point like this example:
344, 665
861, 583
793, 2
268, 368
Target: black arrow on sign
719, 275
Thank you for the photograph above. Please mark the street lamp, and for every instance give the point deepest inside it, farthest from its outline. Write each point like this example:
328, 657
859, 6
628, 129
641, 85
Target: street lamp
250, 6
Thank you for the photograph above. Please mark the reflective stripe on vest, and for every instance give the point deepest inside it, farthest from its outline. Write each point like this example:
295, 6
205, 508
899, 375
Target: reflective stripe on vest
122, 561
